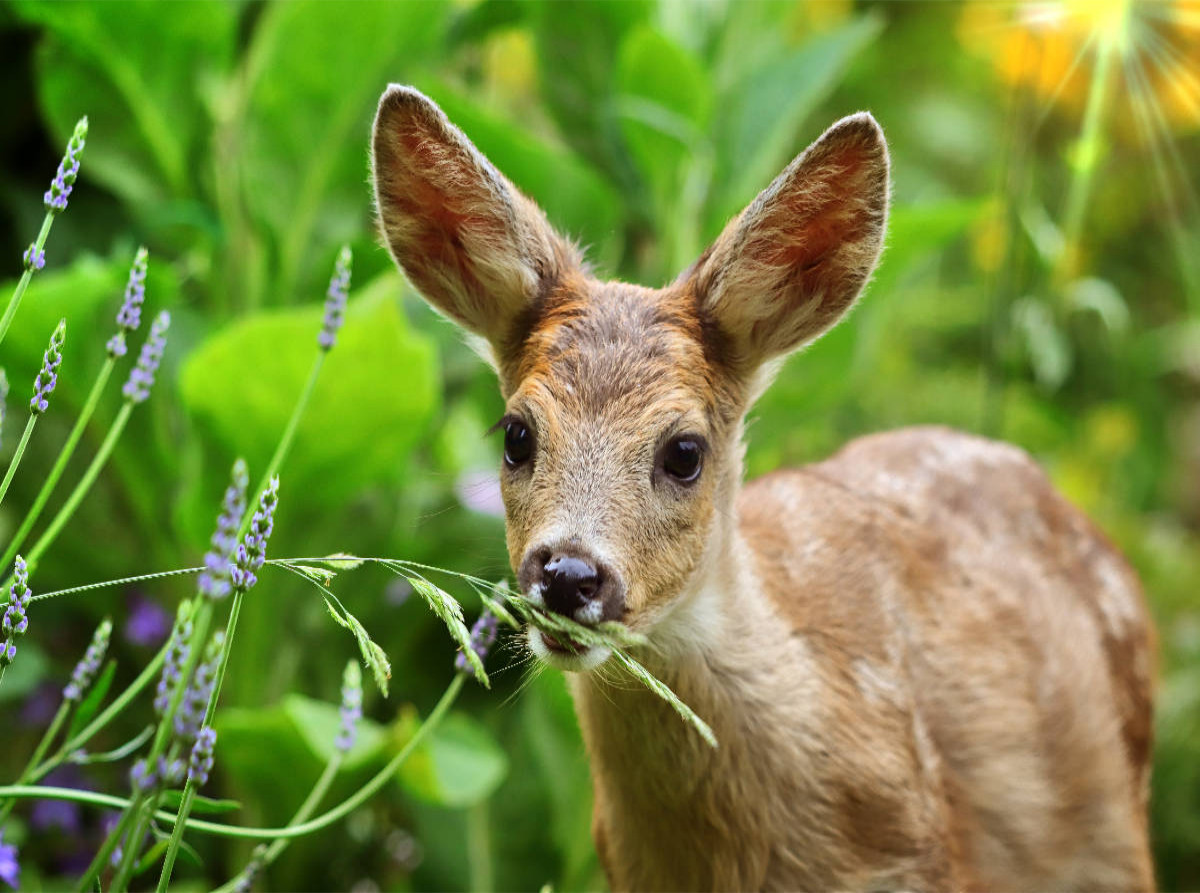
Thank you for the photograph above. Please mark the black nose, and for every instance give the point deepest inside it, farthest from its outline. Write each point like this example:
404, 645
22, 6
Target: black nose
570, 583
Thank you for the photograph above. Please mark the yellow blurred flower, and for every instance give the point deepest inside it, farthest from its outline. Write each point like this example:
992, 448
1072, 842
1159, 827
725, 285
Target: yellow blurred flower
1052, 48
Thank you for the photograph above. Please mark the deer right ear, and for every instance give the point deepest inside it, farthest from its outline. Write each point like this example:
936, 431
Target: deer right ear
478, 250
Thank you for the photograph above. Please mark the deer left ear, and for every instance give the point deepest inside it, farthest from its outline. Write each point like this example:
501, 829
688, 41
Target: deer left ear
790, 265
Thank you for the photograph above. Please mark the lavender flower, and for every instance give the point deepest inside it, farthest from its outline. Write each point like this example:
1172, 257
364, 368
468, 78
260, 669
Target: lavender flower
86, 669
147, 623
177, 656
35, 258
15, 621
201, 761
351, 707
142, 778
10, 869
47, 378
195, 699
141, 377
216, 580
483, 634
335, 300
245, 880
252, 551
68, 169
129, 317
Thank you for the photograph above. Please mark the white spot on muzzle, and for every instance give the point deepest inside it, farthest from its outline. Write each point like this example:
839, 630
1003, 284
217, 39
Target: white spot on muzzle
590, 613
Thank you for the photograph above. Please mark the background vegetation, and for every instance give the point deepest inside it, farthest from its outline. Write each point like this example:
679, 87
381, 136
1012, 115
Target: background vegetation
1041, 284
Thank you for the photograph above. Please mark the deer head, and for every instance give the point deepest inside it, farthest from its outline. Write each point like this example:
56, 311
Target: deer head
622, 435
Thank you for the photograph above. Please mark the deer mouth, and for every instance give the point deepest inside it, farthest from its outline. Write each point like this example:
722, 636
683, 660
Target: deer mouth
564, 653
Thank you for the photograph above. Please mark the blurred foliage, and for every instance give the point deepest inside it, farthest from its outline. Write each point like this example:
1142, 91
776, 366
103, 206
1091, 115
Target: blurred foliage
1041, 284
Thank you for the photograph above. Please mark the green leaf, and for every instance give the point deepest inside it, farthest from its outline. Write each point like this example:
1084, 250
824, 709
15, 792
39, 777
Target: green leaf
200, 805
318, 723
135, 75
663, 106
764, 112
92, 700
460, 765
307, 114
151, 857
370, 408
447, 608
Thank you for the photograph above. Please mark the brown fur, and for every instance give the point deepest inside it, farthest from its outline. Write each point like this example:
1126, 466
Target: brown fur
926, 670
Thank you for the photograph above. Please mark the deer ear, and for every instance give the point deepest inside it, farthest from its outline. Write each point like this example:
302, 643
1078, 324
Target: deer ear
478, 250
791, 264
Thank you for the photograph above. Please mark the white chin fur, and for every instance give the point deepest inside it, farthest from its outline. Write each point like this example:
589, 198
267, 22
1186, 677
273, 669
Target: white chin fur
588, 659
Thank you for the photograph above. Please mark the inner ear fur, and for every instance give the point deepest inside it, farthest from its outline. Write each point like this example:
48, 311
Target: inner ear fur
478, 250
793, 262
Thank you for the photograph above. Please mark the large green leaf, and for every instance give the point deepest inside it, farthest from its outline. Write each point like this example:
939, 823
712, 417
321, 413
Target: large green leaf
319, 724
460, 765
764, 112
314, 73
576, 44
371, 406
663, 105
576, 199
135, 72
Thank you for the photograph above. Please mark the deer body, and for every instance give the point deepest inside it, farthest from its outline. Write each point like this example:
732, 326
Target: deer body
925, 669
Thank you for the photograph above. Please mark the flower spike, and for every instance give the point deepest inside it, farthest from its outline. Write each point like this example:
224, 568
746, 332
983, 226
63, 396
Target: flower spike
68, 169
335, 300
47, 377
141, 377
129, 317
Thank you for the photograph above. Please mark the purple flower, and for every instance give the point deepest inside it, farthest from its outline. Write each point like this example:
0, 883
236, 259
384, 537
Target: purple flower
10, 869
201, 761
480, 492
68, 169
177, 655
397, 591
141, 777
335, 300
252, 551
195, 700
351, 710
483, 634
61, 814
35, 258
147, 624
129, 317
245, 880
141, 376
86, 669
47, 378
216, 579
15, 621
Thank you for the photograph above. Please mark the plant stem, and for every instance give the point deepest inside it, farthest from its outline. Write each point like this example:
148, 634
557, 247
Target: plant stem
51, 733
281, 450
19, 292
372, 787
85, 483
306, 808
16, 459
64, 456
106, 716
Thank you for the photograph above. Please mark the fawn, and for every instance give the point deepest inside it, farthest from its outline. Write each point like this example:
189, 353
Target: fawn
926, 670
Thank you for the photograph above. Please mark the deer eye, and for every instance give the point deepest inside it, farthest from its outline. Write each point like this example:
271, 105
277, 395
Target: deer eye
518, 443
681, 459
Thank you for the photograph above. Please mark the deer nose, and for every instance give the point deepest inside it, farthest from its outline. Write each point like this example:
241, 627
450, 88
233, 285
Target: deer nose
570, 583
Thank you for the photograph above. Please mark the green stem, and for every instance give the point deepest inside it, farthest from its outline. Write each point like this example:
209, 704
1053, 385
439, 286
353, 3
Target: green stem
85, 483
306, 809
19, 292
368, 790
51, 733
106, 716
64, 456
16, 459
479, 849
281, 451
1081, 184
